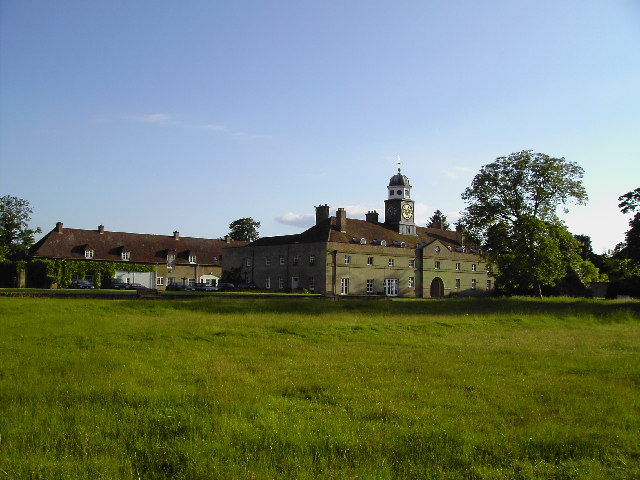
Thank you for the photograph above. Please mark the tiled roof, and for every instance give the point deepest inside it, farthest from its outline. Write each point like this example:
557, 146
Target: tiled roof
326, 231
72, 243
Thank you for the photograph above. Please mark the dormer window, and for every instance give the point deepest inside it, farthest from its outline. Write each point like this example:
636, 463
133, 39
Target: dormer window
126, 256
88, 254
171, 261
192, 259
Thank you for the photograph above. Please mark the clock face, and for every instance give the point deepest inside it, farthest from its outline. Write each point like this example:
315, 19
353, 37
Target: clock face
407, 211
391, 211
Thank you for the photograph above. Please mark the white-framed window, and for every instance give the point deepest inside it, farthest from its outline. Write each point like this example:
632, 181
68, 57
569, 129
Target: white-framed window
192, 282
126, 256
488, 284
347, 259
88, 254
344, 286
457, 267
392, 262
312, 259
369, 261
457, 283
281, 258
247, 262
312, 284
412, 282
281, 283
473, 284
473, 267
295, 259
412, 263
192, 259
171, 261
370, 285
437, 265
267, 261
267, 283
159, 281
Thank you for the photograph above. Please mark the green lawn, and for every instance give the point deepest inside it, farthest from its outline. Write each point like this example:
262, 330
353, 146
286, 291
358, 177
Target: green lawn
307, 388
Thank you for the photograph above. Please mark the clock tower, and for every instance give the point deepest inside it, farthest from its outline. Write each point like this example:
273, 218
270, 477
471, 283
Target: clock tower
398, 207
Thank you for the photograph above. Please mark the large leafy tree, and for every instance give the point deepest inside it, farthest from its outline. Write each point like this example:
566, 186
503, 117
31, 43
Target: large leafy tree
15, 235
438, 220
630, 202
511, 212
244, 229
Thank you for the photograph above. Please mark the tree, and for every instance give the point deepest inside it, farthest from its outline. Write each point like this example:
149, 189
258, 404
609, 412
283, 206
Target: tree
511, 212
438, 220
630, 202
15, 236
244, 229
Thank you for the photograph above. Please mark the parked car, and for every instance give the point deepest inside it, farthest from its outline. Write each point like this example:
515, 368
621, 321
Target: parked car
136, 286
118, 284
225, 287
81, 284
204, 287
179, 287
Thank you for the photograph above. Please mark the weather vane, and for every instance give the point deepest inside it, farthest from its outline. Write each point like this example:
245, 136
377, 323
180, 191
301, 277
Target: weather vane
398, 163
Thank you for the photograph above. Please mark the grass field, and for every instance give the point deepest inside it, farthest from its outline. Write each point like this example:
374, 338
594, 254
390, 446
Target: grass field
282, 388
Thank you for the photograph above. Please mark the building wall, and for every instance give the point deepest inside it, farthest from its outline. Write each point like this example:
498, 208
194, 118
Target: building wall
184, 274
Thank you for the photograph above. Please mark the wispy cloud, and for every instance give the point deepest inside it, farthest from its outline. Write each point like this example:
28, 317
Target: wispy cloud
297, 219
215, 128
455, 172
153, 118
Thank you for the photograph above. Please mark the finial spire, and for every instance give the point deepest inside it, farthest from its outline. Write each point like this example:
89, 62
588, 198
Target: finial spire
398, 163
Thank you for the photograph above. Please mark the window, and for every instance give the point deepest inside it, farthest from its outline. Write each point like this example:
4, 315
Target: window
347, 259
247, 262
312, 284
457, 283
412, 282
281, 283
170, 280
412, 263
473, 267
88, 254
267, 261
192, 259
159, 281
126, 256
437, 249
281, 259
473, 284
488, 284
457, 267
192, 282
267, 283
370, 286
312, 259
344, 286
391, 262
437, 265
295, 259
369, 261
89, 277
171, 261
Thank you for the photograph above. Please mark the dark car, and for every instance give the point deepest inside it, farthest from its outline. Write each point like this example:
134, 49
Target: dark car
179, 287
118, 284
204, 287
136, 286
81, 284
225, 287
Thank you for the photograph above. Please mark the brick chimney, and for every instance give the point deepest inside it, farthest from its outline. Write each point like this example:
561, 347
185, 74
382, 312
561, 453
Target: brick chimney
100, 229
372, 216
341, 220
460, 235
176, 235
59, 227
322, 213
227, 239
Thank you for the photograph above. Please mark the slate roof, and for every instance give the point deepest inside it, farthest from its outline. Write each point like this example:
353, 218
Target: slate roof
71, 243
326, 231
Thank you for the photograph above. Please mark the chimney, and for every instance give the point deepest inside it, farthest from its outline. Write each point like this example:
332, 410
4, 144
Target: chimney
176, 235
100, 229
59, 227
460, 235
372, 217
322, 213
227, 239
341, 220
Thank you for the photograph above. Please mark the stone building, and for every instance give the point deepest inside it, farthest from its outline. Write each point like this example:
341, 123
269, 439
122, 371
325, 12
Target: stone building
340, 255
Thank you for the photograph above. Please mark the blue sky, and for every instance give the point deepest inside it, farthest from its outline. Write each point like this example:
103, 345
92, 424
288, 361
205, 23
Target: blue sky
155, 116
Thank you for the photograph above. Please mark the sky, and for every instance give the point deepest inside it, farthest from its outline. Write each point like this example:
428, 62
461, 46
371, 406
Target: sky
154, 116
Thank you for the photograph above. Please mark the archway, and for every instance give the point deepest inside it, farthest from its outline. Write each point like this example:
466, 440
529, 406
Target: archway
437, 288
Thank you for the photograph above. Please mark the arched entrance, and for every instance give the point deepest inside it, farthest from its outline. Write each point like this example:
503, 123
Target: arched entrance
437, 288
